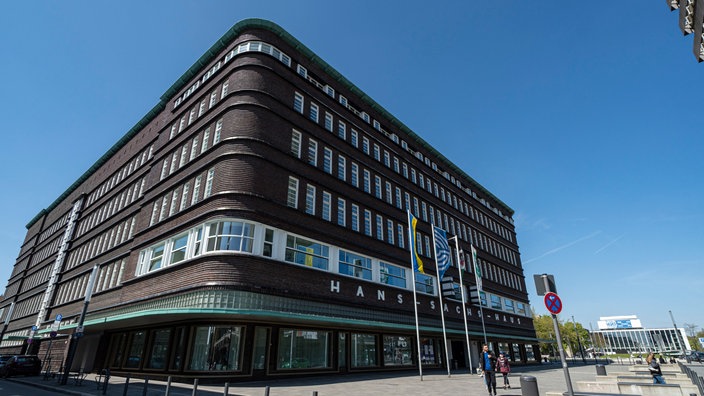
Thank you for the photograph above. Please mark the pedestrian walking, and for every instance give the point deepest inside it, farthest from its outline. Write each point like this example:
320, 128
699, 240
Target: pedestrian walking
489, 367
504, 367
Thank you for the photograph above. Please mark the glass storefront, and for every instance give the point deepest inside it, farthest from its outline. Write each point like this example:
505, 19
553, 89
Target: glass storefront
303, 349
398, 351
216, 348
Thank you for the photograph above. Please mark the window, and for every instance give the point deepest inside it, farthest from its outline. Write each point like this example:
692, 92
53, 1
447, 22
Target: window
355, 265
355, 175
365, 145
313, 152
225, 86
292, 196
314, 112
206, 137
341, 212
379, 227
230, 235
367, 181
393, 275
213, 99
296, 143
310, 199
328, 121
305, 252
390, 231
424, 283
218, 131
400, 232
508, 305
209, 183
216, 348
268, 247
355, 217
157, 257
377, 186
327, 160
303, 349
377, 152
302, 71
298, 102
326, 205
341, 165
398, 351
341, 130
389, 194
354, 138
363, 350
367, 222
178, 248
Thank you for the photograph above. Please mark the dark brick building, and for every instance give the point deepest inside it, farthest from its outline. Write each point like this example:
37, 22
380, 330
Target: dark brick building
254, 223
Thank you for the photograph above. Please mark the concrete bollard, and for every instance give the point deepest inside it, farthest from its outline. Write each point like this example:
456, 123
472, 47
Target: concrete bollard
529, 386
600, 369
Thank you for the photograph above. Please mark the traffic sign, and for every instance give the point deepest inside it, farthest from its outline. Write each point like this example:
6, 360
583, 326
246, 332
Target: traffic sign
59, 317
553, 303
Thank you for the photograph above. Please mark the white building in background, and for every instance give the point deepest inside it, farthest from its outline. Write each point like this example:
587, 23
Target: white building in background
626, 334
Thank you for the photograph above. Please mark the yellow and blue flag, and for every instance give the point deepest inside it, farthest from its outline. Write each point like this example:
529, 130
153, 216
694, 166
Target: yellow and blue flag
417, 262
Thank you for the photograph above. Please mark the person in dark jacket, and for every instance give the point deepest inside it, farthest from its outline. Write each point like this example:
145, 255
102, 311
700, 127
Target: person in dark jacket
504, 367
488, 363
654, 368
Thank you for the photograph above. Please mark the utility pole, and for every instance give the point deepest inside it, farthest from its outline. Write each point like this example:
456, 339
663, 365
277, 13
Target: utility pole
579, 343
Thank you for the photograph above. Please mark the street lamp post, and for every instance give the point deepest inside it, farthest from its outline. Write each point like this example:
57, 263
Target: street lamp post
579, 343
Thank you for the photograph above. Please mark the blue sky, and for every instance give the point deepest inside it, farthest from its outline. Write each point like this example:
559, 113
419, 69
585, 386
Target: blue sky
582, 117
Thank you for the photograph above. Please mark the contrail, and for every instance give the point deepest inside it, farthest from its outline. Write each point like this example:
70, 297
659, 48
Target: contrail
609, 244
557, 249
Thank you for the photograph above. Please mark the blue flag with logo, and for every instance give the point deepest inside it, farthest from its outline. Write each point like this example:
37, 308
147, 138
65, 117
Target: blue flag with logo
442, 250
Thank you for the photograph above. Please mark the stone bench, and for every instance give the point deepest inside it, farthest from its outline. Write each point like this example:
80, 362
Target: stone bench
635, 388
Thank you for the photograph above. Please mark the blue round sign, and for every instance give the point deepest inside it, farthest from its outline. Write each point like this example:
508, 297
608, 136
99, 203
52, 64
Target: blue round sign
553, 303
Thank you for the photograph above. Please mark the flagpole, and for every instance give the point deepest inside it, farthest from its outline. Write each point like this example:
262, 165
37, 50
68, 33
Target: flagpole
442, 310
477, 278
412, 249
464, 302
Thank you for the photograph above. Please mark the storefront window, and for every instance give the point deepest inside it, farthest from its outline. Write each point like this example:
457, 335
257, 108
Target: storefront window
216, 348
303, 349
530, 355
364, 350
159, 349
516, 353
179, 348
304, 252
397, 351
118, 341
427, 351
504, 348
134, 357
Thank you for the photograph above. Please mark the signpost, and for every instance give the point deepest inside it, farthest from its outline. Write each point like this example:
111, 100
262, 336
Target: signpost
554, 305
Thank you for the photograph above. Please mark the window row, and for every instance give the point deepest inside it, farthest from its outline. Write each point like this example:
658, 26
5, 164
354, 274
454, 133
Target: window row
199, 109
374, 225
123, 173
99, 244
298, 106
249, 46
393, 194
191, 149
49, 249
220, 348
28, 307
232, 235
38, 278
110, 208
55, 226
381, 154
182, 197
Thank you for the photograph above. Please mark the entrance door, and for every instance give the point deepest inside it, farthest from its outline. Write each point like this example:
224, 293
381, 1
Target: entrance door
459, 354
